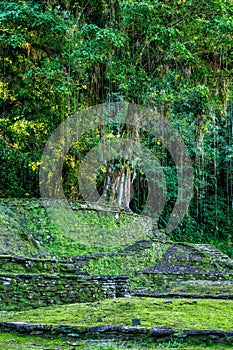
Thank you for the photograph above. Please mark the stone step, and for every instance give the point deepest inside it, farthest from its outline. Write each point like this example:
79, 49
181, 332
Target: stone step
214, 254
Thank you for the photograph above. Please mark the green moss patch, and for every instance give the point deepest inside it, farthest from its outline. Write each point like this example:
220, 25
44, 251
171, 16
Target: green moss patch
29, 217
14, 239
128, 263
176, 313
14, 341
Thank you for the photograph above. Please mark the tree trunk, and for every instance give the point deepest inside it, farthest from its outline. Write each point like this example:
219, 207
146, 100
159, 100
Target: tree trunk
117, 187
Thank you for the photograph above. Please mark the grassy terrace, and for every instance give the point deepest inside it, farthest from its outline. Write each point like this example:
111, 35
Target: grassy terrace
177, 313
25, 224
18, 222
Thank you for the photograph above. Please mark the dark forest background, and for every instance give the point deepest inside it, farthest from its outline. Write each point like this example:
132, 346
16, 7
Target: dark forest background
59, 57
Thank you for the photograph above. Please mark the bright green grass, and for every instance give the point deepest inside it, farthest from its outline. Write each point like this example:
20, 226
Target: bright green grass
91, 231
204, 314
11, 341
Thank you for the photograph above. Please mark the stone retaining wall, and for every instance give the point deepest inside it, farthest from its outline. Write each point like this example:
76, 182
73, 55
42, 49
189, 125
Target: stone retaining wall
119, 331
32, 290
208, 283
12, 263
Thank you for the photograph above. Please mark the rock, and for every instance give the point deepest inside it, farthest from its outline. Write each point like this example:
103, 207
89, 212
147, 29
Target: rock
104, 329
136, 321
203, 332
161, 331
229, 333
189, 302
133, 330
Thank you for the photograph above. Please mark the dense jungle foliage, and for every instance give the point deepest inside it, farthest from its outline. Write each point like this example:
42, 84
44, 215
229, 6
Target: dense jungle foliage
59, 57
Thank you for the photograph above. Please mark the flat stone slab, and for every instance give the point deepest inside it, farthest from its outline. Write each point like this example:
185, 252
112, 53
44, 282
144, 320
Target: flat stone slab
121, 330
161, 331
203, 332
25, 327
105, 329
133, 330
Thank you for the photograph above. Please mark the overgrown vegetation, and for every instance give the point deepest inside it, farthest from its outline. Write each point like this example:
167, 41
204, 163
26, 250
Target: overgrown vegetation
178, 313
19, 342
59, 57
28, 220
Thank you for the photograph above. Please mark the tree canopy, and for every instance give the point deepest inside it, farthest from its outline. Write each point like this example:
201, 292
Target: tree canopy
59, 57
